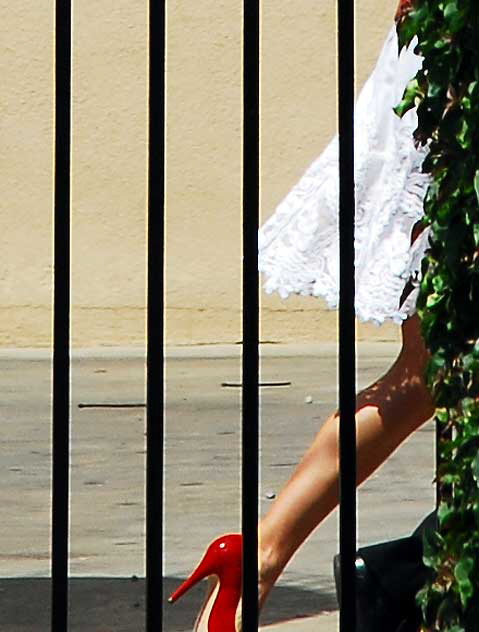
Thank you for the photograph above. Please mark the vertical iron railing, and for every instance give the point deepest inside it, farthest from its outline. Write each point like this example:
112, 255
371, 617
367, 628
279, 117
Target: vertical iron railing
61, 322
347, 360
155, 318
250, 366
444, 491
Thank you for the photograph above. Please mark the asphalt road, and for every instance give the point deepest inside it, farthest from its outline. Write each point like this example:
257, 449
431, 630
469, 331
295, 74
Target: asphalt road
202, 479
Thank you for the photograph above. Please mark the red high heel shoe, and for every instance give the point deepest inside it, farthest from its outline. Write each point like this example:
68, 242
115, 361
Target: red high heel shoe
223, 558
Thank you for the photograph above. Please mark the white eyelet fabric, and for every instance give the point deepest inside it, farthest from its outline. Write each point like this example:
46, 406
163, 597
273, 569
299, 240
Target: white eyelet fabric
299, 244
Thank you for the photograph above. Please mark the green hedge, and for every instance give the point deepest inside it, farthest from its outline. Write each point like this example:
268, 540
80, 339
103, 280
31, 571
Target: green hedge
446, 94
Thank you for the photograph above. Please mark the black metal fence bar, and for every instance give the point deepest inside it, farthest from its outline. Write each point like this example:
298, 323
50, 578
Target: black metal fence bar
347, 360
61, 321
443, 490
155, 318
250, 399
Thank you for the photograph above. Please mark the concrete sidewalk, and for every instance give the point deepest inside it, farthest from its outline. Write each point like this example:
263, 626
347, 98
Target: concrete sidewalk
328, 622
202, 480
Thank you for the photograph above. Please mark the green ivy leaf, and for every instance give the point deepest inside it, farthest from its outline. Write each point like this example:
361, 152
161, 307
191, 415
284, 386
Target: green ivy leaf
444, 513
463, 569
450, 479
434, 299
463, 135
450, 10
406, 33
468, 405
472, 87
476, 184
434, 89
446, 94
475, 468
475, 509
439, 284
433, 544
475, 231
462, 572
412, 96
442, 415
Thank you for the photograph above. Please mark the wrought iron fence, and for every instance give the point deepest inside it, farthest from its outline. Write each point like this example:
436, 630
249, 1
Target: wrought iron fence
155, 317
61, 329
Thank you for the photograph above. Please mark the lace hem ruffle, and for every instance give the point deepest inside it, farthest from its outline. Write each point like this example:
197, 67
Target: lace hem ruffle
299, 244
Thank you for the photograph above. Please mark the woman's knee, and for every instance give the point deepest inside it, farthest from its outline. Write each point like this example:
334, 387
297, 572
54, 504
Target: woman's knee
414, 352
403, 387
412, 364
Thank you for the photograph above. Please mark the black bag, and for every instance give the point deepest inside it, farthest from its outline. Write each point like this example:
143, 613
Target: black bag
388, 576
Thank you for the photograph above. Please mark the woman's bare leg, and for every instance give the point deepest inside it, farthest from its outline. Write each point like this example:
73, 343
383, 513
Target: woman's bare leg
388, 411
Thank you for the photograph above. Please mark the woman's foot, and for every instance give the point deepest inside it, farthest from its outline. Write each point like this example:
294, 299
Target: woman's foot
222, 564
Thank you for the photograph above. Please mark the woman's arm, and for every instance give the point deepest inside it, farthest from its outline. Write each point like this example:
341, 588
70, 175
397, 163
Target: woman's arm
403, 8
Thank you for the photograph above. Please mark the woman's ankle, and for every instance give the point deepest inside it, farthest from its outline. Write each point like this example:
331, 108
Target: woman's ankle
268, 572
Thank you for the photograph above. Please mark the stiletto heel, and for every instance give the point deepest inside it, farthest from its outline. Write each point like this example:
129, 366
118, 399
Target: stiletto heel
223, 558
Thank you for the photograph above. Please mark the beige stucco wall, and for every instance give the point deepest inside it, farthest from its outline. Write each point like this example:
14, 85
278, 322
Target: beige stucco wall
203, 162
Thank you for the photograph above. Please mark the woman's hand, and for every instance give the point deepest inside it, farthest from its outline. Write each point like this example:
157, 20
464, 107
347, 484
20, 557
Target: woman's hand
403, 9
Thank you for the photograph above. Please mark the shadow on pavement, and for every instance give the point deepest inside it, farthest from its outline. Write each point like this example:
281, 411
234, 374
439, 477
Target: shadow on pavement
102, 604
284, 603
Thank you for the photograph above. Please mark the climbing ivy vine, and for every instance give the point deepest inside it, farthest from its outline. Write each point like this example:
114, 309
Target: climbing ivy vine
446, 94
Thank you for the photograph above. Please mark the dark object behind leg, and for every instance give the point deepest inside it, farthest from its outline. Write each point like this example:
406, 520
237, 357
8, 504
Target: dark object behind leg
388, 576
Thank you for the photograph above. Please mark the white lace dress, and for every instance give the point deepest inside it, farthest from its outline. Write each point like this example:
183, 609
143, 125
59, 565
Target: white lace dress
299, 244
